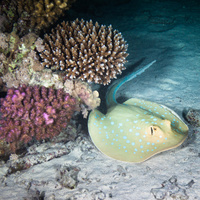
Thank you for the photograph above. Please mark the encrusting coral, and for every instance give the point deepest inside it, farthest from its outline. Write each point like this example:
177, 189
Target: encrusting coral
32, 15
18, 58
86, 51
34, 112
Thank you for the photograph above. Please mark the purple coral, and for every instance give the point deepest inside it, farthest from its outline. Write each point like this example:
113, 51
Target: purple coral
38, 112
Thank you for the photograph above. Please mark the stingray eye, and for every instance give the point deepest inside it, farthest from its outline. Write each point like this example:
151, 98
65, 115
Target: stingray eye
153, 129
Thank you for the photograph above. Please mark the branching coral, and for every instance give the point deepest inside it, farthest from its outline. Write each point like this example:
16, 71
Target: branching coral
86, 51
78, 89
43, 12
33, 15
38, 112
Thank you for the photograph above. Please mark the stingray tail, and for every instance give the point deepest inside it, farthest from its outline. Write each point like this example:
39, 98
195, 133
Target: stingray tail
112, 90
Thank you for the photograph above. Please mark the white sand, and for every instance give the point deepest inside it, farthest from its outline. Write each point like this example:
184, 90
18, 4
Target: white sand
170, 33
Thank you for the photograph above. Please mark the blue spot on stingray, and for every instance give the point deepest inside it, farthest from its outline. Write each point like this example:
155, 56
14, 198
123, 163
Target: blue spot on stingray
112, 131
142, 120
117, 135
165, 138
140, 140
130, 130
135, 121
153, 144
137, 134
120, 124
133, 143
154, 119
125, 150
163, 115
116, 140
112, 123
124, 147
112, 143
121, 130
148, 143
155, 147
105, 127
141, 146
124, 137
127, 141
147, 150
160, 136
144, 136
161, 123
99, 132
127, 120
135, 149
157, 140
102, 118
100, 122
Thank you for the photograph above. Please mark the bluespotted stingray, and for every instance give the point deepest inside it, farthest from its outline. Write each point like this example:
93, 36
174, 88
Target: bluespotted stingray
136, 129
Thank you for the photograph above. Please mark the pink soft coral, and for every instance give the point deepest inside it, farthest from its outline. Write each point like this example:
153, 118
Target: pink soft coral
38, 112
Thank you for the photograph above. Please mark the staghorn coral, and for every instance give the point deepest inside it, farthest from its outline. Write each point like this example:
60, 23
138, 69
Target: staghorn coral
38, 112
85, 50
24, 16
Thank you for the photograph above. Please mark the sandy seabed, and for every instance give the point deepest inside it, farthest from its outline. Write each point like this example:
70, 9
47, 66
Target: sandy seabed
165, 31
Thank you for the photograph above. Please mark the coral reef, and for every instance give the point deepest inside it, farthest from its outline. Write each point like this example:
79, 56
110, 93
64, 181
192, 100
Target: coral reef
20, 65
34, 112
89, 100
193, 117
25, 16
172, 190
18, 58
78, 89
85, 50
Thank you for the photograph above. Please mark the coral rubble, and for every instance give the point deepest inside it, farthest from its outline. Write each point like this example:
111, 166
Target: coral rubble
86, 51
172, 190
34, 112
